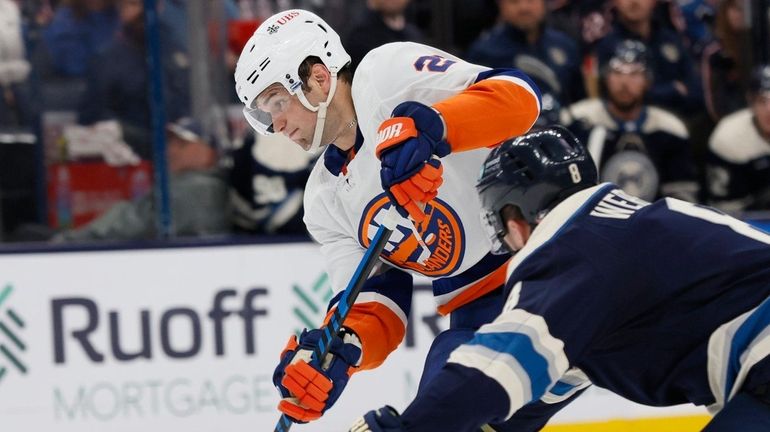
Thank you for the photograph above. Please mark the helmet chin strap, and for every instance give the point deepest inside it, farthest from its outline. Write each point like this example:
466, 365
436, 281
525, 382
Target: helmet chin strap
321, 110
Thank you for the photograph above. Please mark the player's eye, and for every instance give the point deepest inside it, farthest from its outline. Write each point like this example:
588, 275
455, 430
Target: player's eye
279, 105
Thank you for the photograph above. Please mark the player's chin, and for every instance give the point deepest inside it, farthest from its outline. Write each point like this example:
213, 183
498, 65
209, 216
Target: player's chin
305, 144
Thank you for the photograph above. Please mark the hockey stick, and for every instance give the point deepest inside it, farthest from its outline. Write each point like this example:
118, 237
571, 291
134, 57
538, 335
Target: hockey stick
349, 296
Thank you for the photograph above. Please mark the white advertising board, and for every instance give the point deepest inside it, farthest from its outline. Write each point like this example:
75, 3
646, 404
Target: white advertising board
186, 339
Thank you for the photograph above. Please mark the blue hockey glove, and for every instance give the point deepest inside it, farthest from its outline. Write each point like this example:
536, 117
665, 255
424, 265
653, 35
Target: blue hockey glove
406, 145
385, 419
307, 388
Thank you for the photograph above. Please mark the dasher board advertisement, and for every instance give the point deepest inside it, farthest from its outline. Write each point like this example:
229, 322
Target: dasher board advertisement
187, 339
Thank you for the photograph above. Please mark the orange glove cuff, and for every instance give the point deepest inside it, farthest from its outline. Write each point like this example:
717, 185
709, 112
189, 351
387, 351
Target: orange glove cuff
394, 131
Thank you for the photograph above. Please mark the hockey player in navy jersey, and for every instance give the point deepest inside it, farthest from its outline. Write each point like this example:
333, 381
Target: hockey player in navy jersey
739, 152
662, 303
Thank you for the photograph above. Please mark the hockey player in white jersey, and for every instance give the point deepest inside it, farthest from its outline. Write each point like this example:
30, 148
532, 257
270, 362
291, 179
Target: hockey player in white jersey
663, 303
411, 129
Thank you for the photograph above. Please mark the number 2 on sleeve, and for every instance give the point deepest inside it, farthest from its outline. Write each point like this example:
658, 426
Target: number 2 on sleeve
433, 63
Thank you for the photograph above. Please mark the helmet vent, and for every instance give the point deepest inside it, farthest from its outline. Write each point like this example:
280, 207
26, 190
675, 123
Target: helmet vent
322, 28
252, 47
264, 65
252, 80
522, 168
326, 44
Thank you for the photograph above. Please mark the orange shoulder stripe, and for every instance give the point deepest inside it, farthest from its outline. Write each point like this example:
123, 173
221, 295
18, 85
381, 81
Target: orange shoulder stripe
379, 329
487, 113
488, 283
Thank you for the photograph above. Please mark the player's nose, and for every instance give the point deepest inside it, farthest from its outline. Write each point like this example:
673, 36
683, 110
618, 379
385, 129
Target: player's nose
279, 123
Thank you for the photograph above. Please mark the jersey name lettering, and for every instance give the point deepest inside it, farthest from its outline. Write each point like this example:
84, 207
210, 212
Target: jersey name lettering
618, 205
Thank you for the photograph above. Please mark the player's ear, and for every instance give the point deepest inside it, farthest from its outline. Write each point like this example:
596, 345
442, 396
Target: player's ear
321, 76
518, 233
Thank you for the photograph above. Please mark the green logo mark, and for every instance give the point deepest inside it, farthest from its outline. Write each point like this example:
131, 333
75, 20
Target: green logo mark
312, 308
10, 323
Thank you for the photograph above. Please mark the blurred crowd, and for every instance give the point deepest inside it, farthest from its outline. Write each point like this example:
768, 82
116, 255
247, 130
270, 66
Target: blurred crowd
671, 97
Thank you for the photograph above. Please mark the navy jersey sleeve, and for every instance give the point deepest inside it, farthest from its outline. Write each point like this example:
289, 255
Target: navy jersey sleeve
563, 304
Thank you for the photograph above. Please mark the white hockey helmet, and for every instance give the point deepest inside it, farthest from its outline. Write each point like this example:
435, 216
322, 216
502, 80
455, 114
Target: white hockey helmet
274, 53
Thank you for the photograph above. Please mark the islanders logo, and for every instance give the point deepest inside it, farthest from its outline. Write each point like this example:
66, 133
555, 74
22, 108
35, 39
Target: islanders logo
442, 232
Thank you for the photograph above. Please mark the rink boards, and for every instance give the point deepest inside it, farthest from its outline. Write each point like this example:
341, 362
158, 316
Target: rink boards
187, 338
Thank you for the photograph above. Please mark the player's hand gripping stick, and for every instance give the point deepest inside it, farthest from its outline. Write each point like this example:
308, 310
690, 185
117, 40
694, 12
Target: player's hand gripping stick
328, 333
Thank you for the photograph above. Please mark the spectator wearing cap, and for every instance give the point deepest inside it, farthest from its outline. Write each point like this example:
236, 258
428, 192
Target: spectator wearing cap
739, 159
198, 191
522, 39
384, 21
675, 83
643, 149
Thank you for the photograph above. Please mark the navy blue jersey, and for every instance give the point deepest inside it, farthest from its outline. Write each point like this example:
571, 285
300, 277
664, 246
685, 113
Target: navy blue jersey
669, 61
739, 165
661, 303
552, 62
267, 181
648, 157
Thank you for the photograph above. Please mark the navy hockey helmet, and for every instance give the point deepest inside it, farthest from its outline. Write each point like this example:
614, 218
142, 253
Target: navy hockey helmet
533, 172
760, 80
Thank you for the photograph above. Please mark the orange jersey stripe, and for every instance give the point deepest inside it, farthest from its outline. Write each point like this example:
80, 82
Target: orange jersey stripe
379, 329
478, 289
488, 113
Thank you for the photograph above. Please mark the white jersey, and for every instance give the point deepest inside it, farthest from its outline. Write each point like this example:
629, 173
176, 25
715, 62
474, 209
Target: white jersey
342, 212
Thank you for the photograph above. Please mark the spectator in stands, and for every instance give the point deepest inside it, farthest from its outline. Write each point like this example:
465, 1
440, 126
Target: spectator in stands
267, 178
698, 17
78, 31
15, 103
523, 40
676, 85
383, 22
198, 191
585, 20
739, 167
118, 80
726, 62
36, 15
643, 149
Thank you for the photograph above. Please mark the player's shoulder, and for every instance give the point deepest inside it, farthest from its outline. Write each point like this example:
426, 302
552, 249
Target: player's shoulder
735, 138
659, 119
556, 223
397, 54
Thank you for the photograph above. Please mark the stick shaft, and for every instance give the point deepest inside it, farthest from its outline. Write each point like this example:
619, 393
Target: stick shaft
347, 300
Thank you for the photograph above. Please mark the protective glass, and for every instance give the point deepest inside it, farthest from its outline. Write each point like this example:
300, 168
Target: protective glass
265, 108
495, 231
